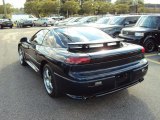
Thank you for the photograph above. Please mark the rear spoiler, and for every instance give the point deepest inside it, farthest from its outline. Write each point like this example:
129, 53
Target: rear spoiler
85, 45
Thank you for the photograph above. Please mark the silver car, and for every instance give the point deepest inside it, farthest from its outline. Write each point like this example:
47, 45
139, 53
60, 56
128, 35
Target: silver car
44, 22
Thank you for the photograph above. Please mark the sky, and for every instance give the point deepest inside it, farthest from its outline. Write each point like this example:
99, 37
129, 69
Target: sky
20, 3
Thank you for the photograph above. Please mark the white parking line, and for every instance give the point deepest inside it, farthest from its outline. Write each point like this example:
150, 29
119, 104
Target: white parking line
150, 55
150, 60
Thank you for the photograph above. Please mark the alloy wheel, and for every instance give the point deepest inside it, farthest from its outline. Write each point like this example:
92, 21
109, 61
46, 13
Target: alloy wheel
48, 80
21, 57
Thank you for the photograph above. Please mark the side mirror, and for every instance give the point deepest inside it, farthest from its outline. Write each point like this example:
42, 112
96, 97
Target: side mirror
24, 39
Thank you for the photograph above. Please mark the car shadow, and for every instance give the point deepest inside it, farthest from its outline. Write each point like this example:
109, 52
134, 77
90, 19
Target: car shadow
22, 87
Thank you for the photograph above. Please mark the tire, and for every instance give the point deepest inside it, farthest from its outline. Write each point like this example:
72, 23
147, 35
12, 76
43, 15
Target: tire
20, 26
11, 26
1, 27
45, 24
149, 45
21, 57
50, 83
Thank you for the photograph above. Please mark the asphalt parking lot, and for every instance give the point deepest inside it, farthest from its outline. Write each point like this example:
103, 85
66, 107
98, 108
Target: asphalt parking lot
23, 97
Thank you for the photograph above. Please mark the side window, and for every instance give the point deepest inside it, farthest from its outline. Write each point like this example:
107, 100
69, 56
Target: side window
132, 20
38, 38
50, 40
92, 19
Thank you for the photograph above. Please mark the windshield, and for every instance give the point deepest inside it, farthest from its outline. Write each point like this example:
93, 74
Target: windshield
81, 34
104, 20
84, 19
117, 20
74, 19
68, 19
31, 16
148, 22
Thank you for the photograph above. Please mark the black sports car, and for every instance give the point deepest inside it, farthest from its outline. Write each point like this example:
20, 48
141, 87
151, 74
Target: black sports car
82, 61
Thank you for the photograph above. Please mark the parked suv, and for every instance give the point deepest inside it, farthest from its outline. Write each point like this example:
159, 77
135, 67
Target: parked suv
24, 23
146, 32
5, 23
117, 23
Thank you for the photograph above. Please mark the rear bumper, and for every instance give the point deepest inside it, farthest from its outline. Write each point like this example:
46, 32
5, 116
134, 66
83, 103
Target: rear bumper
7, 25
101, 86
105, 92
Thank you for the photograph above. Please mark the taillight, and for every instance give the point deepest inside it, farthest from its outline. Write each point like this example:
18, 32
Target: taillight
143, 50
78, 60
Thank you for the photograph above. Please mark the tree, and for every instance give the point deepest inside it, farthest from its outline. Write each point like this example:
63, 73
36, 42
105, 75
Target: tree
71, 7
123, 2
41, 7
122, 8
18, 11
9, 9
105, 7
89, 7
33, 7
49, 7
133, 5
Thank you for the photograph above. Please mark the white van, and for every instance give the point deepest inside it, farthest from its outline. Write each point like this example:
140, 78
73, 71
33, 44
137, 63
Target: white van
16, 18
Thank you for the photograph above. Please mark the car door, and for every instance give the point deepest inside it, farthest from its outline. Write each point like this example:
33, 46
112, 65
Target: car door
39, 22
36, 22
42, 21
35, 42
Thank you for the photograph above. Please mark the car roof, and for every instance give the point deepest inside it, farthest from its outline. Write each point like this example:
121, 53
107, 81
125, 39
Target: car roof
152, 15
128, 16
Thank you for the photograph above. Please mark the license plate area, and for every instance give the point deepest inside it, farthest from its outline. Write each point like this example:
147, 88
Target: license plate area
122, 79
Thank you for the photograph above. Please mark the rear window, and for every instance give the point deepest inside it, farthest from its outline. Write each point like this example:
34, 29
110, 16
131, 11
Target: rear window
81, 34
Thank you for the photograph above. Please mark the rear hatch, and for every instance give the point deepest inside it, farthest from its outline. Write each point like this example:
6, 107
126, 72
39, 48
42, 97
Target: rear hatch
102, 58
7, 22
